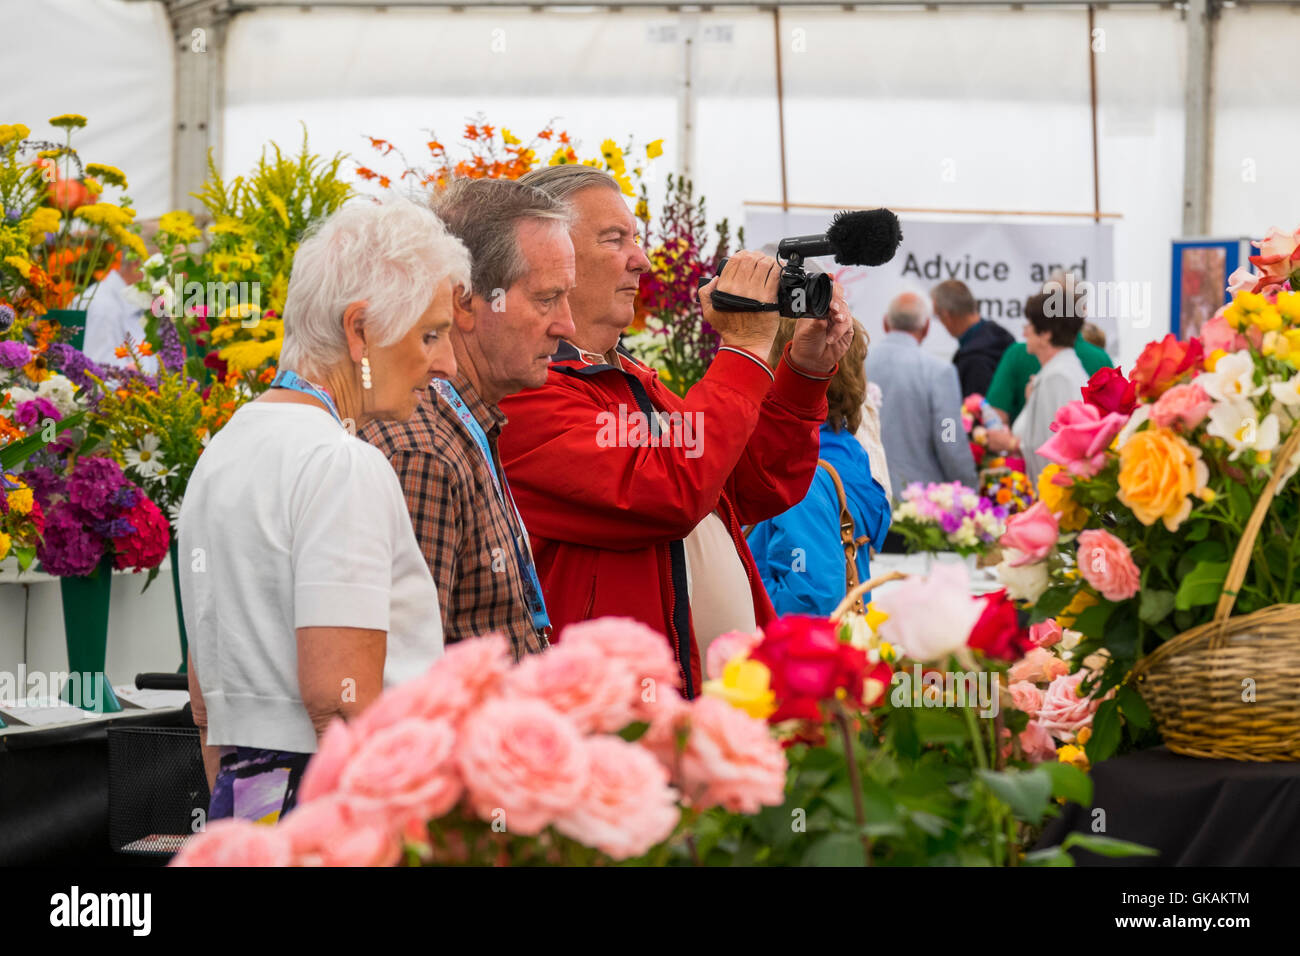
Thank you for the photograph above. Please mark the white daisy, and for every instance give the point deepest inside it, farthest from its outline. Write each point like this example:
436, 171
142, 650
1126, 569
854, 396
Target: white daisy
146, 460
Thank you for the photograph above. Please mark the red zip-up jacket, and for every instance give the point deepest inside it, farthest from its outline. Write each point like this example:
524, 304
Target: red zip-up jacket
607, 523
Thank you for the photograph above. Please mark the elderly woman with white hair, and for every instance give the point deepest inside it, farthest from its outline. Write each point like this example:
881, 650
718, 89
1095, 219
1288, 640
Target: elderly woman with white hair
304, 590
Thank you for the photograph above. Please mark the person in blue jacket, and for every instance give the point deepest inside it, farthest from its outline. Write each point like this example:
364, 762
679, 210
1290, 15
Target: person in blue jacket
799, 552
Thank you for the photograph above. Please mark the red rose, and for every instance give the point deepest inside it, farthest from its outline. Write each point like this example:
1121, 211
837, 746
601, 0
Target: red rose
978, 451
1109, 391
998, 632
809, 664
1162, 363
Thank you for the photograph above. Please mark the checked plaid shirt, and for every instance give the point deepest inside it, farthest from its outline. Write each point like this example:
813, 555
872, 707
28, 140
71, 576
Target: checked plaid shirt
464, 529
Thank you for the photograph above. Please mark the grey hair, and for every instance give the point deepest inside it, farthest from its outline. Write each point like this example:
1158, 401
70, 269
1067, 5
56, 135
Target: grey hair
561, 182
954, 297
907, 312
391, 255
485, 215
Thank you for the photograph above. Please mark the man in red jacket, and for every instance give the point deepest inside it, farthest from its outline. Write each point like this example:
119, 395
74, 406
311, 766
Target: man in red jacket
634, 497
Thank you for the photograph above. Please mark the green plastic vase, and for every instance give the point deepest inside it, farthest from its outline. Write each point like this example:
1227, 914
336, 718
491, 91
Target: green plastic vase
180, 617
75, 318
85, 628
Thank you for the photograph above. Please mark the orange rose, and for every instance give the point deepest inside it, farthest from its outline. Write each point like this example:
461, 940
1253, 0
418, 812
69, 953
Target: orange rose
1163, 363
1158, 475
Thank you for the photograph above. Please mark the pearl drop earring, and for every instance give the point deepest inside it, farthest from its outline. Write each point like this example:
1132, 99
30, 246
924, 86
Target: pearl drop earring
365, 373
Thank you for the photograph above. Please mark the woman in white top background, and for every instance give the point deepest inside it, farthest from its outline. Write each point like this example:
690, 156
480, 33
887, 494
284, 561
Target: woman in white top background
1051, 326
304, 590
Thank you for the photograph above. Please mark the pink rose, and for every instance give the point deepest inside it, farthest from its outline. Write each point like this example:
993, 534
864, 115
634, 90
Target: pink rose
627, 806
1241, 280
929, 618
1183, 404
523, 759
1106, 563
644, 650
1025, 696
1037, 743
730, 760
468, 673
234, 842
1045, 633
333, 831
1279, 255
1082, 436
1064, 713
1038, 667
1033, 533
725, 647
1217, 334
337, 746
595, 690
404, 771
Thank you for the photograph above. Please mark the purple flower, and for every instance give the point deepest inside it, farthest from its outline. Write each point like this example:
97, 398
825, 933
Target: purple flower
126, 498
14, 355
171, 355
32, 413
68, 548
44, 484
950, 522
73, 364
93, 485
114, 528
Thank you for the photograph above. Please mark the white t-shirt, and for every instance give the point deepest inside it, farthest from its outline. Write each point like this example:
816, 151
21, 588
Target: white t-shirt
716, 584
289, 521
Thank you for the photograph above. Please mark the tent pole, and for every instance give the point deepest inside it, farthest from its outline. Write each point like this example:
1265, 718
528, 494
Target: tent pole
1198, 111
780, 105
199, 38
1092, 90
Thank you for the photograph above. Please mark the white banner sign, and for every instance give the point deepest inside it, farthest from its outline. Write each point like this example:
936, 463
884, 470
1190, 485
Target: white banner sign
1002, 263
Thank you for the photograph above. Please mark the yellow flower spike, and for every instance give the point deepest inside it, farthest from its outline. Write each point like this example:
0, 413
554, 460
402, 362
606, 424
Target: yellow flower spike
12, 133
109, 174
745, 685
68, 121
1083, 736
21, 264
179, 224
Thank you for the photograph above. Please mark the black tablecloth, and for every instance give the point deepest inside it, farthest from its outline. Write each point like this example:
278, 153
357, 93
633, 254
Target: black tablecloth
54, 793
1195, 812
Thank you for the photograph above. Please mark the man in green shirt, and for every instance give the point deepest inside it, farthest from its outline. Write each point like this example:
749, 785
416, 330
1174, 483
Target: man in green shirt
1007, 390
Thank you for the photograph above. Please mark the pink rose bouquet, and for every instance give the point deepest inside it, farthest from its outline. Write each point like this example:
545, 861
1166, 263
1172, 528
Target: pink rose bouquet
562, 758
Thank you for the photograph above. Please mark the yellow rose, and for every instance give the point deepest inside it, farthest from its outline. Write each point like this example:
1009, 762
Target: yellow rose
746, 685
1159, 473
1071, 515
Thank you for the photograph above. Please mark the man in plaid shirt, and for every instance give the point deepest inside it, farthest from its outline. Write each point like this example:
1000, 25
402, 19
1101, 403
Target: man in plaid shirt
505, 331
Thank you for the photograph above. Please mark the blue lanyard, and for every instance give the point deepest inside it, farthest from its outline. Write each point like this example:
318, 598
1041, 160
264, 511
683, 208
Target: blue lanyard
291, 380
523, 554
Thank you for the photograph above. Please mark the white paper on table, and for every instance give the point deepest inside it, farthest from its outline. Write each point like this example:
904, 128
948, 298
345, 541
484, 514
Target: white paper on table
44, 714
151, 699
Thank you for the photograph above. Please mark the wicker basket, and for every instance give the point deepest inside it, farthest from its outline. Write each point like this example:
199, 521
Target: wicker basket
1193, 683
